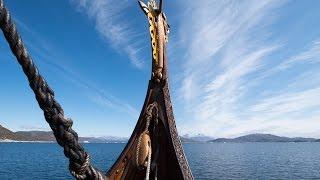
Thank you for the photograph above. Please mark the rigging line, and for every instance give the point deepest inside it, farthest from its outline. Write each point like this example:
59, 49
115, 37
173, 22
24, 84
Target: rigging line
148, 164
66, 137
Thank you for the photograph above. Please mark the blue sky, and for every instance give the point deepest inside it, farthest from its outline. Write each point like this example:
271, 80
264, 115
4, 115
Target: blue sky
236, 67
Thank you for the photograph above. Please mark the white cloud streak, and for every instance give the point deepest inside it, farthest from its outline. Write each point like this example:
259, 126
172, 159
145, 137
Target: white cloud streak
93, 93
227, 47
217, 29
309, 56
288, 102
114, 28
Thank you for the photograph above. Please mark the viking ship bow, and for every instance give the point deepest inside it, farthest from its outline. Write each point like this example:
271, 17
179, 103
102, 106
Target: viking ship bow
154, 150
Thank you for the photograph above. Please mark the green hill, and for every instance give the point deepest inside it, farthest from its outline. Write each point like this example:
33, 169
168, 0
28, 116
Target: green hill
263, 138
7, 134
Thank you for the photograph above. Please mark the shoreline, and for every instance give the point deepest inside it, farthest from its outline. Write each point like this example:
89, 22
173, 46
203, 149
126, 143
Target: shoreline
120, 142
85, 142
15, 141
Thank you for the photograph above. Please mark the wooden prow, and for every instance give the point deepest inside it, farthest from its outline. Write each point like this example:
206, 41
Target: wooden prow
159, 30
154, 150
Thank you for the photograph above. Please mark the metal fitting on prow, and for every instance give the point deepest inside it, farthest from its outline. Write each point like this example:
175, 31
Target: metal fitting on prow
157, 74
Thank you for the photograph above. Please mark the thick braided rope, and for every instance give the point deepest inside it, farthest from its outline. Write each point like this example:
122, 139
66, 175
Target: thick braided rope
66, 137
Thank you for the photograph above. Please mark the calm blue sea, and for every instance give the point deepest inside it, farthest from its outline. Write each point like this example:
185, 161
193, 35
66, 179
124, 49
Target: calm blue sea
207, 161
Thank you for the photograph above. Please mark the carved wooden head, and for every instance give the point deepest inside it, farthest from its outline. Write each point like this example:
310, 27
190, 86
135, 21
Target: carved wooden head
159, 31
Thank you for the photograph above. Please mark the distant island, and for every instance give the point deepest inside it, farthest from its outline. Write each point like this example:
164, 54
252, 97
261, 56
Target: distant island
263, 138
246, 138
7, 135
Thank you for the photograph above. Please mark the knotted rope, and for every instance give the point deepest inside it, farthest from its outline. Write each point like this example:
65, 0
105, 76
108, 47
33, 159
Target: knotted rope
79, 162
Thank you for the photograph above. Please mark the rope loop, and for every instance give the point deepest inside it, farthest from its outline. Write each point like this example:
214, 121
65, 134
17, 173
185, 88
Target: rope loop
80, 173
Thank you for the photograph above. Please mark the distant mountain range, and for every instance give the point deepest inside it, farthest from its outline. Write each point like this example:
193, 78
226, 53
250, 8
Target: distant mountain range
196, 138
264, 138
7, 135
47, 136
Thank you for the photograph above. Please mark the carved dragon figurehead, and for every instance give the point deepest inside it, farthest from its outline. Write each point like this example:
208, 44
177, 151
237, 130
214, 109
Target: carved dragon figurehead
159, 31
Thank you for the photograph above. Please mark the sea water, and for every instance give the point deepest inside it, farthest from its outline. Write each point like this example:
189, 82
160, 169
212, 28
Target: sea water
207, 161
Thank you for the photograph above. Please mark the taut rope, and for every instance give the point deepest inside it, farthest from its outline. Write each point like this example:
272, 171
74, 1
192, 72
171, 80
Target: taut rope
79, 162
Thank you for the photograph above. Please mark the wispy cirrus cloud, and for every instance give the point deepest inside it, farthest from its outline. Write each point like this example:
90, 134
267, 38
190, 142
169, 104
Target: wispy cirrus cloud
217, 35
113, 27
92, 92
43, 51
311, 55
287, 102
227, 51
